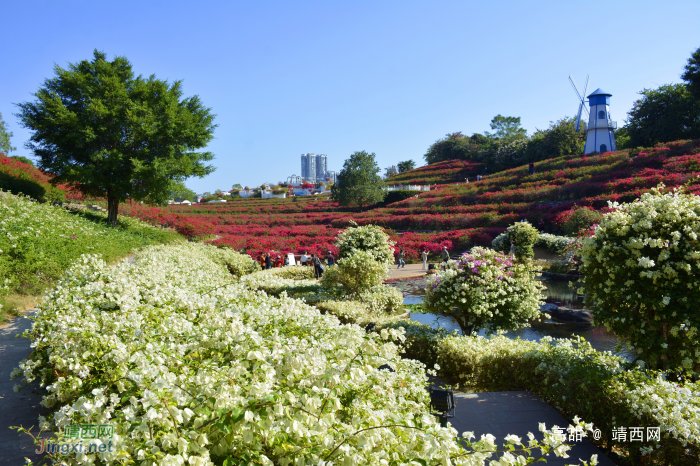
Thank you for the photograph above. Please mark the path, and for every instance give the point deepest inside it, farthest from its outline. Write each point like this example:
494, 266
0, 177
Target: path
517, 413
16, 408
409, 271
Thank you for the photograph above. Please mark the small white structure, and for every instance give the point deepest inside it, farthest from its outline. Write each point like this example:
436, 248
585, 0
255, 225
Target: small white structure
269, 195
186, 202
218, 201
408, 187
244, 193
600, 137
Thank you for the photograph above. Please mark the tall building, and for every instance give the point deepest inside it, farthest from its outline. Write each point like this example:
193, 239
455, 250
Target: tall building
321, 167
314, 167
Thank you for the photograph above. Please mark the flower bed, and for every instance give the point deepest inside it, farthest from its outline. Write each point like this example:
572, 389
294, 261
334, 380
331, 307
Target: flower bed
191, 367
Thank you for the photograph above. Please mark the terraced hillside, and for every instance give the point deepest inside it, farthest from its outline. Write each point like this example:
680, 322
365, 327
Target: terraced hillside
450, 171
453, 216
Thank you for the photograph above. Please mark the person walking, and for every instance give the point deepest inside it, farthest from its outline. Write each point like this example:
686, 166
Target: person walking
268, 261
318, 266
532, 168
401, 257
424, 256
261, 259
512, 249
445, 256
286, 260
278, 262
330, 260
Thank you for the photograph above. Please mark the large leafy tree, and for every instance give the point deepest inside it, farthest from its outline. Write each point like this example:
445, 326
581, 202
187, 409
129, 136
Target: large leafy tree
665, 114
359, 182
98, 127
506, 128
559, 139
406, 166
5, 135
453, 146
691, 74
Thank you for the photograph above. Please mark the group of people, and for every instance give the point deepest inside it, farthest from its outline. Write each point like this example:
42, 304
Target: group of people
401, 257
319, 262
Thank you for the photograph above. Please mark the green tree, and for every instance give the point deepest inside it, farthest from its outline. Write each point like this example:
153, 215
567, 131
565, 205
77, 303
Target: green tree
5, 136
668, 113
237, 186
406, 166
178, 191
454, 146
359, 182
559, 139
108, 133
691, 75
506, 128
22, 159
524, 236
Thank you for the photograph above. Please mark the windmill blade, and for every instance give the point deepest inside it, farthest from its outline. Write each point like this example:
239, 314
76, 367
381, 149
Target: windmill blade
573, 84
585, 89
578, 116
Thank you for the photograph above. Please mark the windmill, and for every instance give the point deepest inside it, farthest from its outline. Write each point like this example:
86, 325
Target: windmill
581, 98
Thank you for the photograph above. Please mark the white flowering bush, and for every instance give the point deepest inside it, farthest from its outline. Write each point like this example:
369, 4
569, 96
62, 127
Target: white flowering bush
485, 290
642, 276
193, 368
273, 283
525, 237
370, 239
553, 243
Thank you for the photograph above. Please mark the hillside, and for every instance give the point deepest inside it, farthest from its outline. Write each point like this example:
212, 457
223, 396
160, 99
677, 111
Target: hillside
453, 216
19, 177
450, 171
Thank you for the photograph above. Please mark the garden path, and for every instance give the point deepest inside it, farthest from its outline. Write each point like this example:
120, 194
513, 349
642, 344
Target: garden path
409, 271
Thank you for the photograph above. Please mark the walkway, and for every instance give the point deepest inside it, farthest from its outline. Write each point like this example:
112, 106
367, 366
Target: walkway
517, 413
409, 271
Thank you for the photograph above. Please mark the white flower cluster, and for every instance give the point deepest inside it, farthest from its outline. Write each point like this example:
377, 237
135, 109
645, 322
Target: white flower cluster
368, 238
642, 276
484, 289
553, 243
194, 368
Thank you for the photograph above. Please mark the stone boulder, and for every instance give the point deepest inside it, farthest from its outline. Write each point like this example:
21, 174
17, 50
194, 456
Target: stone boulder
567, 315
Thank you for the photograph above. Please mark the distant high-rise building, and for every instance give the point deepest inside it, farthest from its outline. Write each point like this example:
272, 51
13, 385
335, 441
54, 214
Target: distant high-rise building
321, 167
314, 167
333, 176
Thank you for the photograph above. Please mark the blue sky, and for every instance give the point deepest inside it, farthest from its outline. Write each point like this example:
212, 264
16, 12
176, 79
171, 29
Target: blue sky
334, 77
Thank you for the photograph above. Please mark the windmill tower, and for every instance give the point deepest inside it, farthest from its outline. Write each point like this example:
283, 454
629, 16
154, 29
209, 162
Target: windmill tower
600, 127
601, 136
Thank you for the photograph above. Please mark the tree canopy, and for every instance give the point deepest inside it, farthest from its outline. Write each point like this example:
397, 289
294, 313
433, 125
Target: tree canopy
506, 128
691, 74
108, 133
406, 166
359, 182
5, 135
668, 113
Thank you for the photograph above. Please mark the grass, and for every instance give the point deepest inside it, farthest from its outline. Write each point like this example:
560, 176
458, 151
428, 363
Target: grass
38, 242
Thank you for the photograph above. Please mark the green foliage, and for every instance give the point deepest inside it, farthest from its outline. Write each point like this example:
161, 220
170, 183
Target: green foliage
38, 242
525, 237
559, 139
180, 192
668, 113
484, 290
641, 277
406, 166
506, 128
691, 74
396, 196
237, 186
454, 146
370, 239
581, 219
99, 128
5, 135
357, 273
22, 159
359, 182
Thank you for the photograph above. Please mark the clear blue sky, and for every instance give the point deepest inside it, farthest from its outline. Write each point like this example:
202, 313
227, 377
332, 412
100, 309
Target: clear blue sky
334, 77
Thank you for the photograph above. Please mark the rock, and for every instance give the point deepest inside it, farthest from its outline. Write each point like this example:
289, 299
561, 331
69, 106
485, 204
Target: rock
565, 314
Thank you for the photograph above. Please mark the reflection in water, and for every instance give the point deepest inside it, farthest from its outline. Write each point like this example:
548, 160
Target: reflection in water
556, 292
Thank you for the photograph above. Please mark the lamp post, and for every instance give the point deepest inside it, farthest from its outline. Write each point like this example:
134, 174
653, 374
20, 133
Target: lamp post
442, 404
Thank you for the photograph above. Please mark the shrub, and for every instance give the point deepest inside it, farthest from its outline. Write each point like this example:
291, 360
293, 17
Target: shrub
578, 219
370, 239
356, 274
525, 236
484, 290
554, 243
641, 276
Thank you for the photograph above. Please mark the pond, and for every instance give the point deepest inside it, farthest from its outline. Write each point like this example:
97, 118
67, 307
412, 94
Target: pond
557, 293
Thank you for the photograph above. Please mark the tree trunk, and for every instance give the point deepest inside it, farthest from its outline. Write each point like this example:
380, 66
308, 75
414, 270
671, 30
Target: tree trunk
112, 209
